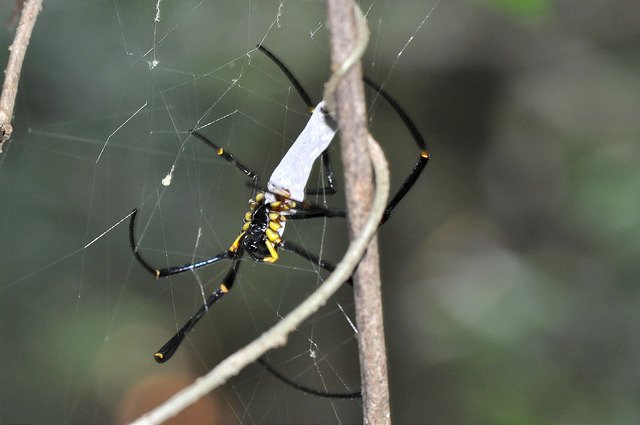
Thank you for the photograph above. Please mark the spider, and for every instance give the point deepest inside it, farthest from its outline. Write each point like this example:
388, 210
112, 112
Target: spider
261, 236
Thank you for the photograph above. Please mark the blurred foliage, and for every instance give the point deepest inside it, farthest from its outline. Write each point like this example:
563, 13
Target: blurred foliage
524, 8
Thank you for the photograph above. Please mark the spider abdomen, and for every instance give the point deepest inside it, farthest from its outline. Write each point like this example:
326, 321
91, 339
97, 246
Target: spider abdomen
255, 238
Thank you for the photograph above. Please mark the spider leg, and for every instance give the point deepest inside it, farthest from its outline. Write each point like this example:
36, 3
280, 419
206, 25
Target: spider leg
303, 215
229, 158
291, 247
296, 84
167, 271
329, 186
306, 210
418, 139
262, 362
168, 349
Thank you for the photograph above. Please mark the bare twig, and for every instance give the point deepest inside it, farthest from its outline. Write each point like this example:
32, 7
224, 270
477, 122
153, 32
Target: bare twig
362, 40
344, 17
18, 49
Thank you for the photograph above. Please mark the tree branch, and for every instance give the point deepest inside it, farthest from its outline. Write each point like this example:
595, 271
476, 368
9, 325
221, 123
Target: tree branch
344, 19
18, 49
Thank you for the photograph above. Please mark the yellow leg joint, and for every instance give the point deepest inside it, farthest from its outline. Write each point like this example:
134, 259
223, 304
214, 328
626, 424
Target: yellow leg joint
274, 225
272, 236
158, 356
272, 250
224, 288
236, 243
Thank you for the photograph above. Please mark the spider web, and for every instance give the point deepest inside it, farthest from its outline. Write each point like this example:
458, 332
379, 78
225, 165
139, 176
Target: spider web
143, 75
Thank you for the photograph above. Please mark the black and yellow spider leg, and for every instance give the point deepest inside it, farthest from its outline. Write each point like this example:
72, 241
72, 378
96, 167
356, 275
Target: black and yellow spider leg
229, 158
328, 187
419, 140
168, 349
167, 271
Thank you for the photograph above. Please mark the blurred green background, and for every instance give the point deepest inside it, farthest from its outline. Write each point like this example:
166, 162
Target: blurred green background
510, 271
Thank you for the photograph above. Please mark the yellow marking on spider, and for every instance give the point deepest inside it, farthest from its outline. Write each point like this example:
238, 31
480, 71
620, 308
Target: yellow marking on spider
272, 236
274, 225
224, 288
259, 197
236, 243
247, 217
274, 216
425, 154
157, 274
274, 254
158, 356
245, 226
283, 205
220, 151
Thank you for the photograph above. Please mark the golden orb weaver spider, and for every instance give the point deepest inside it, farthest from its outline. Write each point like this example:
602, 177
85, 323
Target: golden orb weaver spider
263, 225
